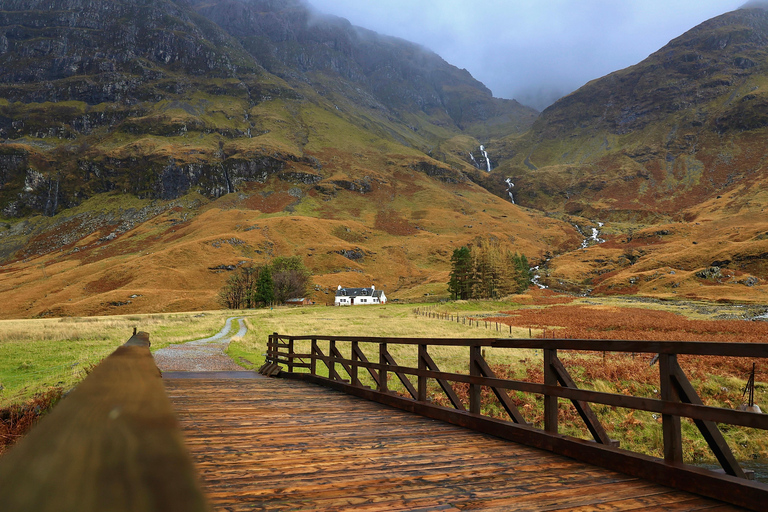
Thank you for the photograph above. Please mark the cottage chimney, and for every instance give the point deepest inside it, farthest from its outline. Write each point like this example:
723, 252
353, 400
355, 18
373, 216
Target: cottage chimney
373, 288
339, 288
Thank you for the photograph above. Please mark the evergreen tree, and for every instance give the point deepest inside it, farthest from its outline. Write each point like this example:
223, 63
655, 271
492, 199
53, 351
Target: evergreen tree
523, 274
265, 288
486, 270
462, 274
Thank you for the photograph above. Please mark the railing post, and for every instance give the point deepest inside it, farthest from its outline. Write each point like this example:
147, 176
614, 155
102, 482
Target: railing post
313, 357
422, 380
332, 360
550, 402
272, 349
383, 371
290, 355
354, 378
670, 424
474, 371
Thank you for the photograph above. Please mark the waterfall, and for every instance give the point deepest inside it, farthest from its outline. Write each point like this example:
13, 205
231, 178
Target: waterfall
510, 186
487, 160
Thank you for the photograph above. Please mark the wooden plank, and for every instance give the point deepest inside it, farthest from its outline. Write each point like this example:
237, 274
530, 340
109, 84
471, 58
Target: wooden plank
733, 490
403, 379
550, 401
383, 368
337, 355
475, 389
422, 379
285, 445
361, 357
112, 444
501, 395
673, 439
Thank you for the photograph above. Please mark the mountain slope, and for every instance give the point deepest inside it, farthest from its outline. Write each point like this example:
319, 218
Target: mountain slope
684, 125
148, 151
155, 99
671, 154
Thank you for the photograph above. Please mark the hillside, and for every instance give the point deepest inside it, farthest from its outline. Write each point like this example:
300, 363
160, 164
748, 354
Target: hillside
673, 145
149, 148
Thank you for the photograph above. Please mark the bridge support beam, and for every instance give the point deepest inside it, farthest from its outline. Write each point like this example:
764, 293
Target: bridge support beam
673, 439
475, 390
550, 402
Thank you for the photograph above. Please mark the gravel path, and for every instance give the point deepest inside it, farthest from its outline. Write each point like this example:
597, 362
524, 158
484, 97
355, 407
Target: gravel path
206, 355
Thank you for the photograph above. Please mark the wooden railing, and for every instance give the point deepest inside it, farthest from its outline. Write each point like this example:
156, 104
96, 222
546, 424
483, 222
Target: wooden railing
678, 399
112, 444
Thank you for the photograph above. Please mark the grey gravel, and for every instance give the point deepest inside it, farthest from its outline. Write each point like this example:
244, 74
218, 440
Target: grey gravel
206, 355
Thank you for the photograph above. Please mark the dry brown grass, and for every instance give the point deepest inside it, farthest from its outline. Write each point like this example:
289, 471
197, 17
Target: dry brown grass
164, 264
18, 419
628, 323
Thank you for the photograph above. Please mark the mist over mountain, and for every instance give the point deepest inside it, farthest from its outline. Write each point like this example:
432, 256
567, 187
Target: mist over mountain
669, 131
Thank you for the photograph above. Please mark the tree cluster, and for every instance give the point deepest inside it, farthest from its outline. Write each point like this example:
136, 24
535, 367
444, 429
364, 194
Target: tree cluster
276, 282
487, 271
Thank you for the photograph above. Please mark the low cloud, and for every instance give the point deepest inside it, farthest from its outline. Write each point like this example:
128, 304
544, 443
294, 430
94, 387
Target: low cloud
537, 51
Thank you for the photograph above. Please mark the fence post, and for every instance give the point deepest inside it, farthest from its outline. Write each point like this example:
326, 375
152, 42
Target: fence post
353, 377
290, 355
474, 371
313, 357
550, 402
383, 371
272, 350
670, 424
332, 360
422, 380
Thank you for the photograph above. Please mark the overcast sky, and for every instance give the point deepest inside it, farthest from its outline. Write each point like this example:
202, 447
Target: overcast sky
533, 50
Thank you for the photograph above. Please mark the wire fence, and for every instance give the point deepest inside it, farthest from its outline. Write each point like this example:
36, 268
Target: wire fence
475, 320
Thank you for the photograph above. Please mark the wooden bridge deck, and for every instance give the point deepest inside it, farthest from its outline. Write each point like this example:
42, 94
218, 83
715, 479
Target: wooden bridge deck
266, 444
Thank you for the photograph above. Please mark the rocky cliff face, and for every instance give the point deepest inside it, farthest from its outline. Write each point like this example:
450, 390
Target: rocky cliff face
157, 98
288, 37
97, 52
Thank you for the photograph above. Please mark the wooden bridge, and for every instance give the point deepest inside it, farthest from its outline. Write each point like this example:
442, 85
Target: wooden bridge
126, 439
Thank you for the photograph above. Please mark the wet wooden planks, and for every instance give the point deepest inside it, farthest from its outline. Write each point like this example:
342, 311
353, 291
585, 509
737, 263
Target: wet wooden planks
271, 444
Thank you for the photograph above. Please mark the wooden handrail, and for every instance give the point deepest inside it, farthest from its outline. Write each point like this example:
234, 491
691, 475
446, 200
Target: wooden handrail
678, 400
699, 348
112, 444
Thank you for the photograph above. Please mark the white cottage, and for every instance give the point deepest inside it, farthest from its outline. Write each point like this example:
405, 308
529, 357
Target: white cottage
359, 296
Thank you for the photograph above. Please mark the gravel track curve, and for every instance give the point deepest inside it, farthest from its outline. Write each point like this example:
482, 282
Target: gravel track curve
205, 355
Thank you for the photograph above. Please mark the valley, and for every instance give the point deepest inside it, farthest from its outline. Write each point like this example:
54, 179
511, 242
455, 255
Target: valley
206, 136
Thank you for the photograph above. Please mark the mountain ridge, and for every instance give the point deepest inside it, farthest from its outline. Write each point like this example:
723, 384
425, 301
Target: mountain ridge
671, 145
149, 173
145, 175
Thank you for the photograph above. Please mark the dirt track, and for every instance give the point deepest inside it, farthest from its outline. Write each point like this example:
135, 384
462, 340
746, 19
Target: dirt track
204, 355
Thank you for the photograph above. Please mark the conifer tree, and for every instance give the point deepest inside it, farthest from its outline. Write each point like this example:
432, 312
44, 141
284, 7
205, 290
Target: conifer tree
486, 270
265, 288
462, 271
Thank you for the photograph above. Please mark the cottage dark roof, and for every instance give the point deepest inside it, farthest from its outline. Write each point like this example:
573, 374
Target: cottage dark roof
358, 292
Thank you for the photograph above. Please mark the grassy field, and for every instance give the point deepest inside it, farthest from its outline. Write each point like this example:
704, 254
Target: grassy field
388, 321
36, 355
39, 354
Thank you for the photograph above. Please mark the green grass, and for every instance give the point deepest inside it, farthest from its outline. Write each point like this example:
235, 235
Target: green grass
39, 354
